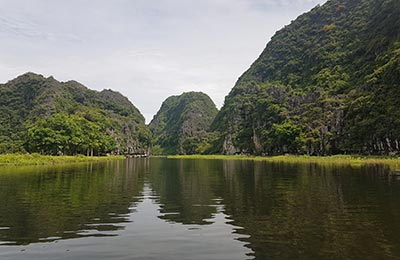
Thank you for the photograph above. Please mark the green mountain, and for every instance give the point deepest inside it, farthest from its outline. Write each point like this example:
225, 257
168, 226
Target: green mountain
39, 114
327, 83
181, 124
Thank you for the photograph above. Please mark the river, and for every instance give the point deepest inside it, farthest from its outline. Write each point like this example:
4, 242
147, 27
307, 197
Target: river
159, 208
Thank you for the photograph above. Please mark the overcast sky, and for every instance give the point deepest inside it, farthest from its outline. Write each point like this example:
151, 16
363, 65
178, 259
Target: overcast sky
145, 49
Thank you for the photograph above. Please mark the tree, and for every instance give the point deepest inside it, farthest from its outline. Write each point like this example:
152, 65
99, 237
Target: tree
68, 134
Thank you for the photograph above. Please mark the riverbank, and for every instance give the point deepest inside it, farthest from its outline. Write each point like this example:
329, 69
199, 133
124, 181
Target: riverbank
38, 159
334, 159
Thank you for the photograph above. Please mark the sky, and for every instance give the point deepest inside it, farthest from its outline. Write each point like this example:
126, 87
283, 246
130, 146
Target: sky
147, 50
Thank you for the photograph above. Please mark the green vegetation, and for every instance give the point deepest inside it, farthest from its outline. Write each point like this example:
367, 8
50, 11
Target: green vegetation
68, 135
38, 159
181, 125
326, 84
334, 159
43, 115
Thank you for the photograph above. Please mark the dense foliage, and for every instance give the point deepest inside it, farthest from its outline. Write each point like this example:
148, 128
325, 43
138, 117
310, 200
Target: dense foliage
64, 134
181, 124
43, 115
327, 83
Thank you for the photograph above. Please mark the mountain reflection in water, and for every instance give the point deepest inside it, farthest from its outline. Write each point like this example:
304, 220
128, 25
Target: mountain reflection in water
161, 208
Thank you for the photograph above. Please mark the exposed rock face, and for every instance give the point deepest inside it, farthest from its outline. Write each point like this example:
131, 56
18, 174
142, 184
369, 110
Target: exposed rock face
181, 124
327, 83
31, 97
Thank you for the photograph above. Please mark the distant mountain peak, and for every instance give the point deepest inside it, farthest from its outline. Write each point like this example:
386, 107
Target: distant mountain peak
182, 123
32, 97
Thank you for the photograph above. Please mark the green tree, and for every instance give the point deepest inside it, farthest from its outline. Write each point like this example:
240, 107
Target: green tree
68, 134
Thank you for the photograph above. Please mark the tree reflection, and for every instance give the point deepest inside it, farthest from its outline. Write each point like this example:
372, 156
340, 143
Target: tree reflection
186, 190
307, 211
59, 202
279, 210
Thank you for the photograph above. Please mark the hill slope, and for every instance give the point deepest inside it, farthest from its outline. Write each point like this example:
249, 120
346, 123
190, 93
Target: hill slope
31, 104
327, 83
181, 124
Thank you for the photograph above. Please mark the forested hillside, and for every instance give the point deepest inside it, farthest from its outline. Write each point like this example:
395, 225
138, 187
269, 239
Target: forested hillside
181, 124
39, 114
327, 83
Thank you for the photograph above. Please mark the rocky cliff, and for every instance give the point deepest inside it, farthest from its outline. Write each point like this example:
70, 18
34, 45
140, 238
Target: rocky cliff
32, 98
327, 83
181, 124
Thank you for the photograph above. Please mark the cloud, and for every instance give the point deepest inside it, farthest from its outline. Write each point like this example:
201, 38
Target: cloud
20, 28
147, 50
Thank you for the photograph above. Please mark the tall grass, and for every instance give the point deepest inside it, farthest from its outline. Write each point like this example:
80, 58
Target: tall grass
335, 159
38, 159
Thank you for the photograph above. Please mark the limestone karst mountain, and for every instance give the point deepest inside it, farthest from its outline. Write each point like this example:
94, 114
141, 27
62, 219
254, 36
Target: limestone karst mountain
327, 83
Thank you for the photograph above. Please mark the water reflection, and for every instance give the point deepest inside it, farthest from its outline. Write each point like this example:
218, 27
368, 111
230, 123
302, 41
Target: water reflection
187, 190
314, 211
198, 209
50, 203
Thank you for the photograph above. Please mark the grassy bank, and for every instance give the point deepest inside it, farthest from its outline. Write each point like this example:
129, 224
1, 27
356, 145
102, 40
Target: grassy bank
335, 159
38, 159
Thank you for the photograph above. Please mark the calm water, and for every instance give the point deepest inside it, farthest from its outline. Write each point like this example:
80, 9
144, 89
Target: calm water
198, 209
